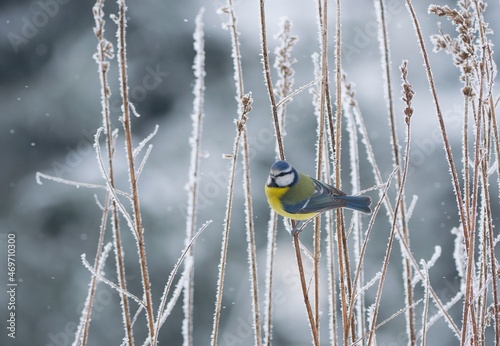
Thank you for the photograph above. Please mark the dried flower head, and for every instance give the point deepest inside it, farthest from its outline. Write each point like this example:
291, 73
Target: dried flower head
407, 91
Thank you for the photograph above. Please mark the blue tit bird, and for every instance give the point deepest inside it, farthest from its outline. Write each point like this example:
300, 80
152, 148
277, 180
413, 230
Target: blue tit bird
299, 197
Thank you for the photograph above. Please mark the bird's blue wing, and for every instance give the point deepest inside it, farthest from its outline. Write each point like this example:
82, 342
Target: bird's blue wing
323, 198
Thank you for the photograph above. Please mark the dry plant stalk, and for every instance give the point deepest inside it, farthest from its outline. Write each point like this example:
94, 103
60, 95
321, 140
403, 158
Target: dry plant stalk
386, 64
280, 153
269, 83
240, 125
408, 94
127, 125
244, 102
194, 172
104, 52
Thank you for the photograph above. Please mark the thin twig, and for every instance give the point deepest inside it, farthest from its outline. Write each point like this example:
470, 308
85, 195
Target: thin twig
337, 147
240, 124
269, 83
122, 62
250, 230
390, 318
103, 54
185, 254
268, 295
297, 91
488, 60
425, 311
407, 95
244, 107
386, 63
98, 265
312, 323
109, 283
362, 252
194, 166
39, 176
323, 36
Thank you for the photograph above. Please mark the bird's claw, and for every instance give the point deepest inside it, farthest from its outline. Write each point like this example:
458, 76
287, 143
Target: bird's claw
296, 231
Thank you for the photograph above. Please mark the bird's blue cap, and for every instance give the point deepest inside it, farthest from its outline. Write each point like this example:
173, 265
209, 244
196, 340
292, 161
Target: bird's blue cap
280, 166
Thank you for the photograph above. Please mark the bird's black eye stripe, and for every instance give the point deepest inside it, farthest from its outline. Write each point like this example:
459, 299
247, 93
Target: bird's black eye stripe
282, 174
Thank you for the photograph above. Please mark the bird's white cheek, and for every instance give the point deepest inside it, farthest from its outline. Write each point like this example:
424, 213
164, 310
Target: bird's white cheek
285, 180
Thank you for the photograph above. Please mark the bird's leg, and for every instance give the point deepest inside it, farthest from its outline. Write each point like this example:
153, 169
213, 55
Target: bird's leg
296, 229
300, 225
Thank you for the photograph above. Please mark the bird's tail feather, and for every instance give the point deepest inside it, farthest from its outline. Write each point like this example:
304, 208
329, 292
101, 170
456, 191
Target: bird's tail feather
359, 203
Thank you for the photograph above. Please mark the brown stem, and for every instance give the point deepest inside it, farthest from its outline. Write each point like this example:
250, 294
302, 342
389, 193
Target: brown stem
396, 158
139, 232
269, 83
310, 315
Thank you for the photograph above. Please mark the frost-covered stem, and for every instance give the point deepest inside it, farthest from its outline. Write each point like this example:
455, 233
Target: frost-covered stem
444, 134
465, 152
481, 280
235, 45
407, 95
268, 295
343, 253
98, 16
252, 257
323, 38
284, 85
120, 264
322, 103
269, 83
312, 322
244, 107
90, 299
273, 225
489, 126
330, 227
496, 138
188, 263
240, 124
385, 265
195, 142
488, 59
104, 52
338, 104
283, 65
489, 239
425, 311
96, 272
359, 304
359, 270
337, 146
496, 143
122, 63
494, 276
386, 65
332, 296
468, 307
493, 266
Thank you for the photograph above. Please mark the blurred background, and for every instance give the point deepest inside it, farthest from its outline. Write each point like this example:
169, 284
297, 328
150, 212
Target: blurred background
50, 110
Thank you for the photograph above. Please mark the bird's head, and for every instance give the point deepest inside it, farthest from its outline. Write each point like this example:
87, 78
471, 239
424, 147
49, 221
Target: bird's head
282, 174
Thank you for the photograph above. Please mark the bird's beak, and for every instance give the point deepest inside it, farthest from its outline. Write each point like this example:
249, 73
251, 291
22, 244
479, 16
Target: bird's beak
270, 181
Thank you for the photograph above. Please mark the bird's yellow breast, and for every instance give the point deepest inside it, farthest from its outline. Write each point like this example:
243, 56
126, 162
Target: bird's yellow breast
274, 196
